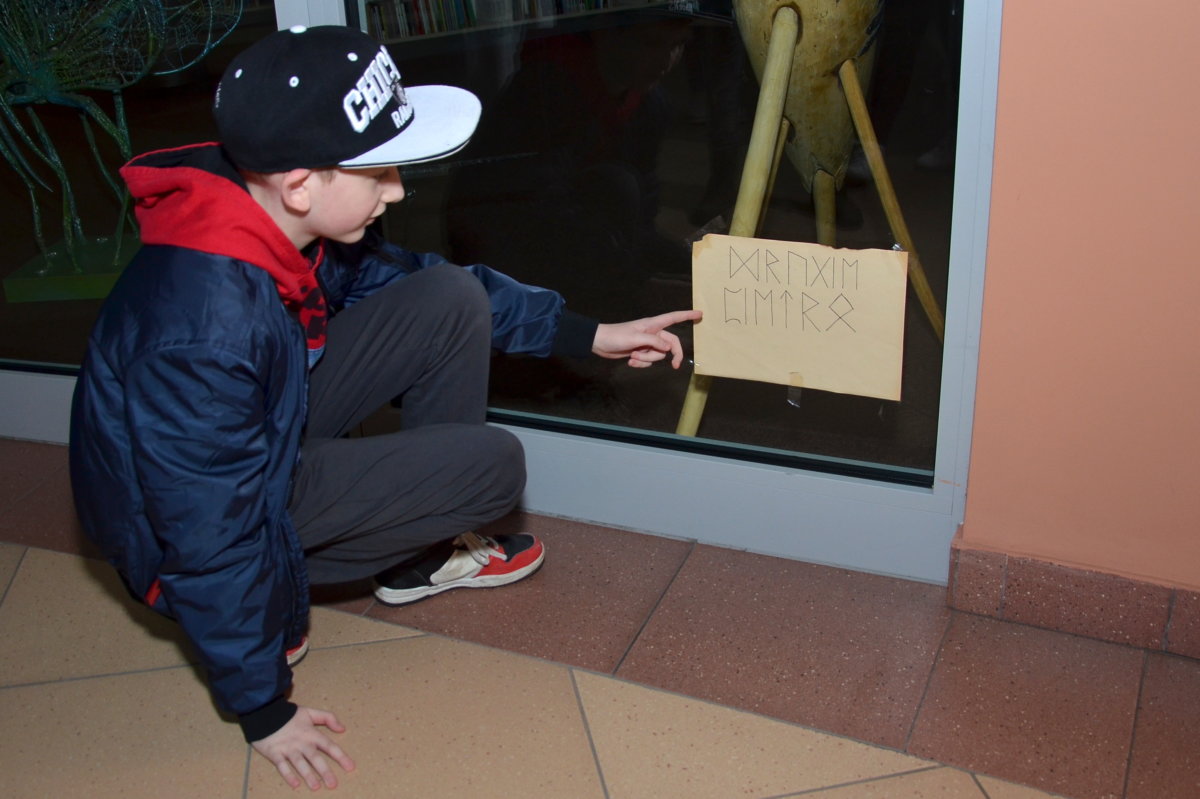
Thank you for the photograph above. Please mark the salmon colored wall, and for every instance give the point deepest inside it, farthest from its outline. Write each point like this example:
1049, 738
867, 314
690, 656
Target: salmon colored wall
1086, 447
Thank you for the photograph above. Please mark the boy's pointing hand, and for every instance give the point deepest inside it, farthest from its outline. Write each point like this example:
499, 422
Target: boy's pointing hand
643, 341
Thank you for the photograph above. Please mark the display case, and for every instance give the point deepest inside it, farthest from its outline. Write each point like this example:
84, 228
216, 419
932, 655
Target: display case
693, 142
396, 20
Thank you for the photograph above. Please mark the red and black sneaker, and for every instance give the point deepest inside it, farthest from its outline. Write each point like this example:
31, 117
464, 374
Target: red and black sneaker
468, 561
297, 652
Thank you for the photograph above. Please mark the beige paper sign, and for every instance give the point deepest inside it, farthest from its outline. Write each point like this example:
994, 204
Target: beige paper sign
800, 314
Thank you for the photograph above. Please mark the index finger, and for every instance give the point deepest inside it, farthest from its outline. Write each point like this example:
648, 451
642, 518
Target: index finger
675, 317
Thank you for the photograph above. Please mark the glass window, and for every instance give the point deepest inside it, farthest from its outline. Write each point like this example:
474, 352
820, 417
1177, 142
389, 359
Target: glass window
611, 140
145, 75
613, 135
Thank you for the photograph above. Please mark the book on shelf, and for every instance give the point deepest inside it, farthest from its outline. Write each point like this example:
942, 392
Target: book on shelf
402, 19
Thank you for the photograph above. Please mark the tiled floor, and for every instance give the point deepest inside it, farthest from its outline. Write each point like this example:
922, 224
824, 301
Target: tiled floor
629, 666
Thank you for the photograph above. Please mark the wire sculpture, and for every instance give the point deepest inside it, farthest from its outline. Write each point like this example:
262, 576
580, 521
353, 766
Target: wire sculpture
54, 51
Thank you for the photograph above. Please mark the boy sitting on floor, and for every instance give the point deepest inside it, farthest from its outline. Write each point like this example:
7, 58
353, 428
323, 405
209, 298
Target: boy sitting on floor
262, 320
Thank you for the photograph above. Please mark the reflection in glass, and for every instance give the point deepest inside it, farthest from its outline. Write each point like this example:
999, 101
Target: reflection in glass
607, 149
610, 141
85, 86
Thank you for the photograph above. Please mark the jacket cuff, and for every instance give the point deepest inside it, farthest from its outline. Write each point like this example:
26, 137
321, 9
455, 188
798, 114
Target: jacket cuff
575, 335
268, 719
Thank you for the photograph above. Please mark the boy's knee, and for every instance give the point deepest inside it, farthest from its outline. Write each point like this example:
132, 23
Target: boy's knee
509, 453
504, 458
453, 293
460, 286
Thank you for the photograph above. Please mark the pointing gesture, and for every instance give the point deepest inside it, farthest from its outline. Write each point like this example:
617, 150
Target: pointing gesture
643, 341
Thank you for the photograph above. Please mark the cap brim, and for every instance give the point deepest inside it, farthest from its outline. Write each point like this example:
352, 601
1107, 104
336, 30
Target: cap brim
444, 117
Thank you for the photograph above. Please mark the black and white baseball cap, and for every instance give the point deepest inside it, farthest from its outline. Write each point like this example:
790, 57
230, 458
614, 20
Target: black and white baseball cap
331, 96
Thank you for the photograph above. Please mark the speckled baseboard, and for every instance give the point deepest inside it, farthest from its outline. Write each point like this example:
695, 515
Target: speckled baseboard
1094, 604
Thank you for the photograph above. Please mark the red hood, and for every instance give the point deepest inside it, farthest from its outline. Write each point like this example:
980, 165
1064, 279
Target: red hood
193, 197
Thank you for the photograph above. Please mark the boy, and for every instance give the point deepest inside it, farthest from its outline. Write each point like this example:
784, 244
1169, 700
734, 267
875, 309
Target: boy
259, 323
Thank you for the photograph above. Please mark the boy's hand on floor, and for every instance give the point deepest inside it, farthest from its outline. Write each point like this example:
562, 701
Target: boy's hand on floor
298, 749
643, 341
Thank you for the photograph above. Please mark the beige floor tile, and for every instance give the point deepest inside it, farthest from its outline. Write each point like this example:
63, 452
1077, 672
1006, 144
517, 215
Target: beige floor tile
98, 629
999, 789
943, 783
332, 628
67, 616
153, 734
433, 717
654, 744
10, 556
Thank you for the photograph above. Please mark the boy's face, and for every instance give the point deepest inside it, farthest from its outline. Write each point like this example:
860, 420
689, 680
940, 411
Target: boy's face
346, 201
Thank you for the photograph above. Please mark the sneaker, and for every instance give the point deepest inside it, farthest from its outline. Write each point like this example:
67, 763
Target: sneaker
297, 653
468, 561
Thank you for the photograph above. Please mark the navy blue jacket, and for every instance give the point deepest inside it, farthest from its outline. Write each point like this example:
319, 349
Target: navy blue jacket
189, 412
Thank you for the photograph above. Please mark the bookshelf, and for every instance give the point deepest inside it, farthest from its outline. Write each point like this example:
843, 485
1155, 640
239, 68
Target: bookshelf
402, 20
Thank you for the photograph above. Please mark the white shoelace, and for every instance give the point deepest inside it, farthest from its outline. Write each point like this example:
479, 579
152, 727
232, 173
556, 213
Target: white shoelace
479, 547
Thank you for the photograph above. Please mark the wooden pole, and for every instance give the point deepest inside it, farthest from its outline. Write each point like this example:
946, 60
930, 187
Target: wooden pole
825, 204
785, 129
887, 195
764, 135
757, 173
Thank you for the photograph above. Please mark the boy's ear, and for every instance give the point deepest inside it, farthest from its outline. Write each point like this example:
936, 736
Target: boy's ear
294, 190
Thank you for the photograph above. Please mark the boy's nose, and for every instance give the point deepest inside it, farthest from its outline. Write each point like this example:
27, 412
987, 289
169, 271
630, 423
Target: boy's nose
393, 188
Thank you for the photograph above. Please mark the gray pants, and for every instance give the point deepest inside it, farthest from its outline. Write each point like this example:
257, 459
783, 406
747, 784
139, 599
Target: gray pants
361, 505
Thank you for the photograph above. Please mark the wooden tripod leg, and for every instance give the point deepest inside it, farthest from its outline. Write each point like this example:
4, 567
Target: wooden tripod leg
693, 405
824, 196
764, 135
887, 195
785, 130
824, 193
757, 173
